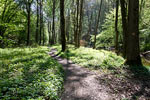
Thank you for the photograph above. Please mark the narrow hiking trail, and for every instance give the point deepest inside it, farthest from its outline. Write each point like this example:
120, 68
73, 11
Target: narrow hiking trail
81, 83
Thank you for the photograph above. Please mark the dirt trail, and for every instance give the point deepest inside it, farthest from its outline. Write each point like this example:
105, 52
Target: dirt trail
80, 83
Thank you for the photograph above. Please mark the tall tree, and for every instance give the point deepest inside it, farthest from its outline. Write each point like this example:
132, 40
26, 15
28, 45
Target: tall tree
28, 8
37, 23
77, 24
116, 26
133, 50
53, 24
124, 24
80, 21
97, 24
62, 26
49, 31
41, 6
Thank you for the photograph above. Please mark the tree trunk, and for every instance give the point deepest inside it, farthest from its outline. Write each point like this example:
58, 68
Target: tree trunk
40, 22
133, 50
37, 23
97, 24
124, 25
49, 31
28, 34
116, 26
75, 36
43, 29
53, 26
68, 25
80, 23
62, 26
77, 25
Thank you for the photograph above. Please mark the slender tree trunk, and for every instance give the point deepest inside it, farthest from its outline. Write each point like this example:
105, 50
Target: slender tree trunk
43, 29
49, 31
116, 26
62, 26
28, 34
75, 36
80, 22
68, 25
37, 23
124, 25
133, 50
77, 25
53, 26
40, 22
97, 24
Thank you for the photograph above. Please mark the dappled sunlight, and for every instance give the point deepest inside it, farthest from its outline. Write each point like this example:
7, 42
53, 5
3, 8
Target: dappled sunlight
29, 73
89, 57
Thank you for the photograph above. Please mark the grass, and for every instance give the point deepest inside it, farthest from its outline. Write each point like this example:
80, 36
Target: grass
89, 57
29, 74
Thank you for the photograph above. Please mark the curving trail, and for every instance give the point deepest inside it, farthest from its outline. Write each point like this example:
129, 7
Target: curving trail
80, 83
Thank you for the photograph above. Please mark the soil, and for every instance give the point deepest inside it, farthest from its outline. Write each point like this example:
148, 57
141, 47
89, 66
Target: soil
84, 84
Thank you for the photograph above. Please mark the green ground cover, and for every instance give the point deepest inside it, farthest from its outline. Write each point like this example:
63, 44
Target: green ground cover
29, 74
89, 57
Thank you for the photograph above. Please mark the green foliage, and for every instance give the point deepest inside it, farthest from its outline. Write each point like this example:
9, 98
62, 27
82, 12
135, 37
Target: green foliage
89, 57
106, 38
29, 74
145, 27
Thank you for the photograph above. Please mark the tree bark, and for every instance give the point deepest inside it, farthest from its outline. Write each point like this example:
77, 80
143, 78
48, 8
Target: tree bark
77, 25
124, 25
49, 31
40, 22
53, 26
37, 23
133, 49
43, 28
80, 22
62, 26
116, 26
28, 34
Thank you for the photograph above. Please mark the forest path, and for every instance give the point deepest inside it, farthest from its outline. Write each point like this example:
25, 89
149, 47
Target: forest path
81, 83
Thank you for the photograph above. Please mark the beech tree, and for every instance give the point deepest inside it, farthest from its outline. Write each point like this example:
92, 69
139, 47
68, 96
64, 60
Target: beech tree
116, 26
62, 26
133, 49
28, 8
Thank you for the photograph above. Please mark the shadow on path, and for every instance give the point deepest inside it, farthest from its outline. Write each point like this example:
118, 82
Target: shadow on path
80, 83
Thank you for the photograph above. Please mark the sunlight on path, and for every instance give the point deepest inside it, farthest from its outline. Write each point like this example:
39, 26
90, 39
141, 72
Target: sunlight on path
80, 83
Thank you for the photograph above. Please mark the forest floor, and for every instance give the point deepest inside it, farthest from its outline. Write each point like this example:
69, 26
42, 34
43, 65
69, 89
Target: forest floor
84, 84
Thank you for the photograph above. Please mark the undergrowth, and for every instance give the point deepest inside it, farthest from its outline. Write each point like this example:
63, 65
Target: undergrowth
29, 74
89, 57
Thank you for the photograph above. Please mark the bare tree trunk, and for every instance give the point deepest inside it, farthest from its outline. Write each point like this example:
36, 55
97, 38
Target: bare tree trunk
116, 26
43, 29
49, 31
133, 49
53, 26
28, 34
62, 26
68, 25
40, 22
97, 24
77, 25
37, 23
75, 36
80, 23
124, 25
